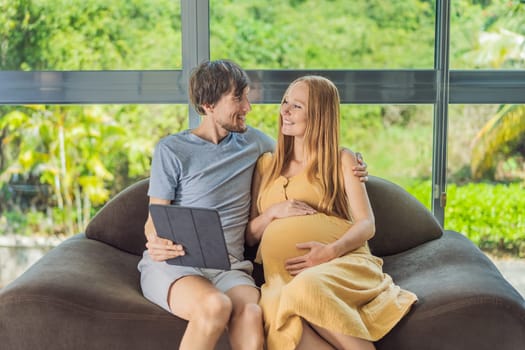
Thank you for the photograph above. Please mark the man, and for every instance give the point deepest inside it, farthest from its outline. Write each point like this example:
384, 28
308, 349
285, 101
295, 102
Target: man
209, 166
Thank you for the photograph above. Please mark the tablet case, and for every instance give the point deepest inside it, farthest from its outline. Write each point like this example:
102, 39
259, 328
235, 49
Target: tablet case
198, 230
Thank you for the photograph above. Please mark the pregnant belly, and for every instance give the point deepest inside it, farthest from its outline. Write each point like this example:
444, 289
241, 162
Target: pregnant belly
281, 235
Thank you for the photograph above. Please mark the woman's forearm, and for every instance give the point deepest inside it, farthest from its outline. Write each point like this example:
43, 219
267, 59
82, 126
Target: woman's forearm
256, 227
355, 237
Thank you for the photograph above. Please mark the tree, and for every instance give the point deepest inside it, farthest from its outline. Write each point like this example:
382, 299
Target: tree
67, 151
503, 136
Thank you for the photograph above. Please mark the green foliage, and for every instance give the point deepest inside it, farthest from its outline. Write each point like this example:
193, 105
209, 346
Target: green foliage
473, 22
89, 34
83, 154
503, 135
64, 151
339, 34
264, 118
491, 215
146, 124
421, 190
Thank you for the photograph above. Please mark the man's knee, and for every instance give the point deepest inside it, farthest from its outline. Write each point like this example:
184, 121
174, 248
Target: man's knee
214, 307
248, 325
252, 313
249, 317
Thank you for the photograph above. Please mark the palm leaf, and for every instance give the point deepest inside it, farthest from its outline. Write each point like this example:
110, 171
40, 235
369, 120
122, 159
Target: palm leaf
501, 135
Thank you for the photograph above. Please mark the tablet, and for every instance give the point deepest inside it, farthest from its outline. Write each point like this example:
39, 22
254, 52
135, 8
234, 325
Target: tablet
198, 230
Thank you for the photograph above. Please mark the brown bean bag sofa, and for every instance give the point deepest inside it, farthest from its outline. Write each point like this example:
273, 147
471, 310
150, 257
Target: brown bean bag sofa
85, 293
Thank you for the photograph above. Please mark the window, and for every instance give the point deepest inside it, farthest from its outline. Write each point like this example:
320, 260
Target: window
60, 163
381, 57
90, 35
486, 175
298, 34
487, 34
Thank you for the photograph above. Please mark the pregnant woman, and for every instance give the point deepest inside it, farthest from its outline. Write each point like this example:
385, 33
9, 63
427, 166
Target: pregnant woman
323, 288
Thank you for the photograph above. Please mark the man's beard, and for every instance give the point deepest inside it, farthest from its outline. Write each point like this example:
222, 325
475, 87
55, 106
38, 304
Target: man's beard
235, 127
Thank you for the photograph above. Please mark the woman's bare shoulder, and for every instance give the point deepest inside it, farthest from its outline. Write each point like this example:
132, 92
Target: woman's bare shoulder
348, 157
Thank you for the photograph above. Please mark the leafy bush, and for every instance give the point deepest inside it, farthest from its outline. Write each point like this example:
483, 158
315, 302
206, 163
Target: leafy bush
491, 215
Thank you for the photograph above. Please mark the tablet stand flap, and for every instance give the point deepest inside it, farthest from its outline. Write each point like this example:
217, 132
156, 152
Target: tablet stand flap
167, 227
207, 233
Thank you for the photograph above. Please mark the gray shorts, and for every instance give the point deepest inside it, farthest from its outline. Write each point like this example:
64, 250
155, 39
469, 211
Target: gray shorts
156, 277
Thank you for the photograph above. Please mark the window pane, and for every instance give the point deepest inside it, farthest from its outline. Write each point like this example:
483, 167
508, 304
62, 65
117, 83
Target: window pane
90, 34
298, 34
486, 180
60, 164
487, 34
395, 140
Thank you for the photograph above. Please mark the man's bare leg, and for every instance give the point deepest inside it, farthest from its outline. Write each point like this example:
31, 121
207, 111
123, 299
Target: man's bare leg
246, 324
206, 309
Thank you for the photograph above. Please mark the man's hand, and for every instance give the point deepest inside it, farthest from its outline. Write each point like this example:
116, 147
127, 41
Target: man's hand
161, 249
361, 169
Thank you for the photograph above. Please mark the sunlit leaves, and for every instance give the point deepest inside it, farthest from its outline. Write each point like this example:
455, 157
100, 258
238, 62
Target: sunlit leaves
491, 215
503, 135
90, 34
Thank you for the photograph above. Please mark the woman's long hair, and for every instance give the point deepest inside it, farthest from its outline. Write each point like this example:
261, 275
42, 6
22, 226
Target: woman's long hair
321, 146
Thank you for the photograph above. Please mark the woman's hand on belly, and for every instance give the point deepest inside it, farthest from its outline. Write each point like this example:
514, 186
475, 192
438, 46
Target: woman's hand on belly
289, 208
318, 254
257, 225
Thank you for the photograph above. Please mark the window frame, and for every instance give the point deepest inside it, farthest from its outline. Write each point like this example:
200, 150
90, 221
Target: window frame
439, 86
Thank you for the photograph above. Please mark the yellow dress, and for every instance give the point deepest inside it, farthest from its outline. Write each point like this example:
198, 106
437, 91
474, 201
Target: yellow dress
349, 295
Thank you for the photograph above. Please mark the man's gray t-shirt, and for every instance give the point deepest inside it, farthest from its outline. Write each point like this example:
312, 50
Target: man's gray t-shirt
190, 171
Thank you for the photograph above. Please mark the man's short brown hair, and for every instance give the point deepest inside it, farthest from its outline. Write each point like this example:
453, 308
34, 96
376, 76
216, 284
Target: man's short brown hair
213, 79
